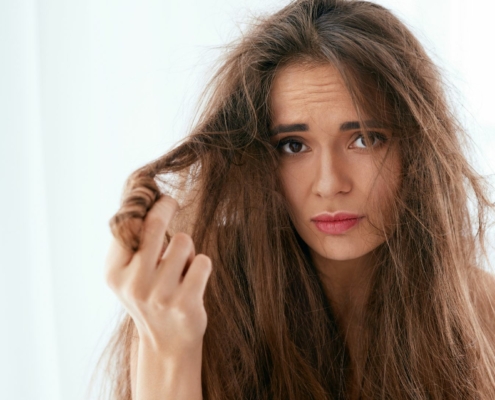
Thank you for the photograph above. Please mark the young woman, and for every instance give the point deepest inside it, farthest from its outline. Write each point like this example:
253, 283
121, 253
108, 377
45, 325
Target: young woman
320, 234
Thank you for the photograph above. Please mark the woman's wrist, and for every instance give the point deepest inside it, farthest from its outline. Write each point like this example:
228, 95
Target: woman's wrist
170, 350
175, 374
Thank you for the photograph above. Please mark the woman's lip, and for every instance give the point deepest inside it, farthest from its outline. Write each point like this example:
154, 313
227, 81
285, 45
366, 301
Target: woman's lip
336, 227
338, 216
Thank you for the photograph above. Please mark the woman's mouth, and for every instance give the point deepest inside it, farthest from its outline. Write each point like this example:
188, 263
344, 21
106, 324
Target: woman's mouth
335, 227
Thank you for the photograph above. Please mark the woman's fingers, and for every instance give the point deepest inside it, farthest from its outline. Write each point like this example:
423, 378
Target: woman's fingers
117, 257
154, 226
118, 254
178, 255
194, 283
164, 307
153, 232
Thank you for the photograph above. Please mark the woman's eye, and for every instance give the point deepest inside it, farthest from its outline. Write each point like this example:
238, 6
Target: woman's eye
376, 138
290, 146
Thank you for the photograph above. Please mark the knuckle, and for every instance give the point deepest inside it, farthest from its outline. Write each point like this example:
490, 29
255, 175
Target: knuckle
204, 260
111, 278
161, 303
168, 203
161, 299
164, 206
182, 240
203, 264
186, 307
154, 223
135, 293
179, 311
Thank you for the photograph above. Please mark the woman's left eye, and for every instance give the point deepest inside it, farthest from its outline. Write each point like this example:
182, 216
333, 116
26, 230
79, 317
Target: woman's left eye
376, 137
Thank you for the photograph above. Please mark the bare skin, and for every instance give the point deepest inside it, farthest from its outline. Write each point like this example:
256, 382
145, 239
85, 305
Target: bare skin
327, 168
164, 296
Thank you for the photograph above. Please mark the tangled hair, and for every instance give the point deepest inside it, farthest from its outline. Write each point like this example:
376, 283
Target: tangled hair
272, 333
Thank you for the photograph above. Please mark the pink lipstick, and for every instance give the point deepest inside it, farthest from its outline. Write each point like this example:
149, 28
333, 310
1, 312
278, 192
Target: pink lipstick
336, 223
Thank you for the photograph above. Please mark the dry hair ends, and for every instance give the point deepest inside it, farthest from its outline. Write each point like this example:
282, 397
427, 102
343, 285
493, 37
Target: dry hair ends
271, 332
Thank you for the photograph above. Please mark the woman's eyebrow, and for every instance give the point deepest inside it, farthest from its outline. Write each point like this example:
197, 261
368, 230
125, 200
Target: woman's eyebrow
282, 128
346, 126
371, 123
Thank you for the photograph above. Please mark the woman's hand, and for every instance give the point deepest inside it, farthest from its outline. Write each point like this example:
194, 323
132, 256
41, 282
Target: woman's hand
163, 295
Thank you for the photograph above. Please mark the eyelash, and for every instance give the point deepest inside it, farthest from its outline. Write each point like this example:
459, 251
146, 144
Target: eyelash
282, 142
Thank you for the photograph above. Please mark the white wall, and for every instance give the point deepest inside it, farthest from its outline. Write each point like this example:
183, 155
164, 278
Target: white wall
90, 91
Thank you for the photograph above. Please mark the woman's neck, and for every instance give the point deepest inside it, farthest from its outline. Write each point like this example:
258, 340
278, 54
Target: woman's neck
346, 284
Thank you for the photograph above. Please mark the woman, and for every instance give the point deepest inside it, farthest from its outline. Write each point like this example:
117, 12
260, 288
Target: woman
246, 286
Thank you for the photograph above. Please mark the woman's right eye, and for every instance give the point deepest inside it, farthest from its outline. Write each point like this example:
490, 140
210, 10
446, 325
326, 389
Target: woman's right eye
290, 146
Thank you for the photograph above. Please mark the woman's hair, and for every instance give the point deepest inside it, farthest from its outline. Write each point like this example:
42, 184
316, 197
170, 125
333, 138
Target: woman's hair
272, 333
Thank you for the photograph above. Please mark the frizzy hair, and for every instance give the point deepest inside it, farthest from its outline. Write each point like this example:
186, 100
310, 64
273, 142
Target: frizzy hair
271, 331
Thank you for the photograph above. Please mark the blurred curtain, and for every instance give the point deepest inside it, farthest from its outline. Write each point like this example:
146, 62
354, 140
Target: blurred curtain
29, 354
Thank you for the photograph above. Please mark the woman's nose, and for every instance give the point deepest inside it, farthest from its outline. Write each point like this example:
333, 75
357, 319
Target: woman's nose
331, 175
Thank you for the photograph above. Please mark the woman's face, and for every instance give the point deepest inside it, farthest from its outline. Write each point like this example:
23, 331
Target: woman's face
326, 165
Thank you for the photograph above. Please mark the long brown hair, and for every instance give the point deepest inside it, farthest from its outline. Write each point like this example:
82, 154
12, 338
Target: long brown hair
271, 331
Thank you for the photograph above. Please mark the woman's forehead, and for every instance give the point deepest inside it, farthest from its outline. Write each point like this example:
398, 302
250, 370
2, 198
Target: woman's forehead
299, 88
317, 78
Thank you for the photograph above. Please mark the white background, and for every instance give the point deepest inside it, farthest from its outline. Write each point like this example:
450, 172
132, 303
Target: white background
92, 90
